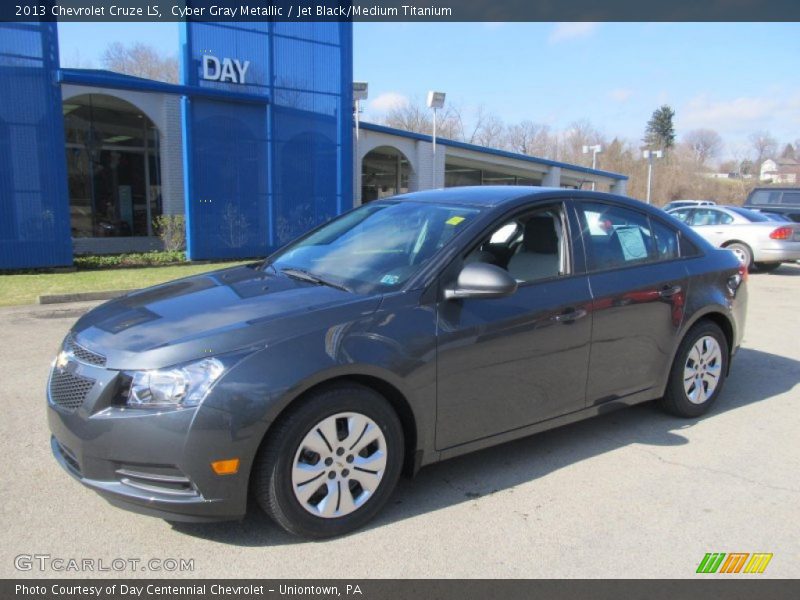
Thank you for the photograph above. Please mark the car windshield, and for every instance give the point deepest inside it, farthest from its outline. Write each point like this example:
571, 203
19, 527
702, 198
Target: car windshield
750, 215
377, 247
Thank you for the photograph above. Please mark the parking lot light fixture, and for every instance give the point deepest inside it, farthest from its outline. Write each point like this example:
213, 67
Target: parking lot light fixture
435, 102
595, 150
360, 92
650, 155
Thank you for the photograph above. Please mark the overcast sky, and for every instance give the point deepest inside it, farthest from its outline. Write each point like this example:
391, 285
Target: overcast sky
733, 77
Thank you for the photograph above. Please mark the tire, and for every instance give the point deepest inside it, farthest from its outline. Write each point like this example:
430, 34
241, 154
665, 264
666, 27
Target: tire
742, 252
297, 458
693, 396
767, 267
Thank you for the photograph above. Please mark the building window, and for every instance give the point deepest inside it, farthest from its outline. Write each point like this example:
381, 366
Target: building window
385, 172
113, 167
458, 175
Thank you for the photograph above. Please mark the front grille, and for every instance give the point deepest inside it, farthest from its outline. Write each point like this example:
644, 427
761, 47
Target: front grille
82, 354
68, 390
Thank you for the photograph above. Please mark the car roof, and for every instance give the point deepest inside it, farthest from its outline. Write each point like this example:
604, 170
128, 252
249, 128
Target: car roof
483, 196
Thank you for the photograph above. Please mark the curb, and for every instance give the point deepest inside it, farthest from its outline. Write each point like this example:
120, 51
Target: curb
81, 296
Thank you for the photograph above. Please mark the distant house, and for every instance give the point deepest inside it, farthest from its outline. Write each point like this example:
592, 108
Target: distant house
780, 170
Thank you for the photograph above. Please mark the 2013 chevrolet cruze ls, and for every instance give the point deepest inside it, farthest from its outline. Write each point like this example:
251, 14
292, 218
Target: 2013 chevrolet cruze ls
404, 332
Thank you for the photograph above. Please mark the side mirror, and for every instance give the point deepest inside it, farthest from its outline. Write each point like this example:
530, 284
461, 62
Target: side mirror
482, 280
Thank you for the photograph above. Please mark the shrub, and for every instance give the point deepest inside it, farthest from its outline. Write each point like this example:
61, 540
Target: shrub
138, 259
172, 231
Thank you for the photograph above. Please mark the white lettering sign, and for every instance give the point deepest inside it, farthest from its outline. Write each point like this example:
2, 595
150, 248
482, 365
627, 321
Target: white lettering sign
224, 70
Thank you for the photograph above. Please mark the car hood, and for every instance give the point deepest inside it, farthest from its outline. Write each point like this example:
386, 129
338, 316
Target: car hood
213, 313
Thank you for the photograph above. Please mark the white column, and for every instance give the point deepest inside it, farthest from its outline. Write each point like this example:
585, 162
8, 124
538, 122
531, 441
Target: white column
552, 178
620, 187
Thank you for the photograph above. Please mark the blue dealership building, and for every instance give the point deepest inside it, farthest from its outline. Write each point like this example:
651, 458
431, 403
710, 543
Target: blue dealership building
254, 146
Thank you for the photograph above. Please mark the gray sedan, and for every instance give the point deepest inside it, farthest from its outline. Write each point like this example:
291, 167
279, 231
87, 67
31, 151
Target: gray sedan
756, 239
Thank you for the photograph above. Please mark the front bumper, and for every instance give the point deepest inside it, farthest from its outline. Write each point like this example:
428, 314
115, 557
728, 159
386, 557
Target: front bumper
154, 462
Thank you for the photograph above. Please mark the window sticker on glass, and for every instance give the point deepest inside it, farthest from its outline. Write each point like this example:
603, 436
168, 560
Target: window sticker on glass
632, 242
390, 279
454, 220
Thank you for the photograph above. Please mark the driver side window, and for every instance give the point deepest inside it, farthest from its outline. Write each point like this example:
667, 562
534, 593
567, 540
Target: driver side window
529, 247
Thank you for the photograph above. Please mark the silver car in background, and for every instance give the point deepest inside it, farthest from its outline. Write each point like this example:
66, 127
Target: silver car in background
757, 240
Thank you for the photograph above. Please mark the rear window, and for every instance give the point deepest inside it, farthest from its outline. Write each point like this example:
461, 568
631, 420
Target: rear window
750, 215
761, 197
791, 198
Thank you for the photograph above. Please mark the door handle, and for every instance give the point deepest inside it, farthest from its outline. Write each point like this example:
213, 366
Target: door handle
670, 291
569, 317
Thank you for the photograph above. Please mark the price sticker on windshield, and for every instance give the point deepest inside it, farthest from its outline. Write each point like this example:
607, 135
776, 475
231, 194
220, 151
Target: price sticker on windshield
454, 220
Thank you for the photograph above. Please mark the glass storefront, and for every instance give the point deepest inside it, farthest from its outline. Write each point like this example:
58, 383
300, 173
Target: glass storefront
385, 172
113, 167
456, 175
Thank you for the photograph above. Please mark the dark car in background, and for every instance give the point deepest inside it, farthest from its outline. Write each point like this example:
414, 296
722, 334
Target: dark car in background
405, 332
782, 200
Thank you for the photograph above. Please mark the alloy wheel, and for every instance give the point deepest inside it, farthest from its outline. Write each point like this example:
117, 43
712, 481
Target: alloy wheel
701, 373
339, 465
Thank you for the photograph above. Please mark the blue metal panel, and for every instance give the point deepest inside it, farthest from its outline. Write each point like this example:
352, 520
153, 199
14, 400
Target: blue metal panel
34, 205
257, 176
311, 126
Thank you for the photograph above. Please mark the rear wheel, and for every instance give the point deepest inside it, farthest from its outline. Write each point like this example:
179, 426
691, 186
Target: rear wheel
331, 463
767, 267
699, 371
742, 252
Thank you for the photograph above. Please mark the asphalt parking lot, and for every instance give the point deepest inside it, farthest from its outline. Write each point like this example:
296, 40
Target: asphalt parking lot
632, 494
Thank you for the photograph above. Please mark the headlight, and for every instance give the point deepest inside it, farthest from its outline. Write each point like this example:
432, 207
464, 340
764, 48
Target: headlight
186, 385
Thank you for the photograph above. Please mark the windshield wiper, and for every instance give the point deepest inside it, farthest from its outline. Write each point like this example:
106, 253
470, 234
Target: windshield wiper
304, 275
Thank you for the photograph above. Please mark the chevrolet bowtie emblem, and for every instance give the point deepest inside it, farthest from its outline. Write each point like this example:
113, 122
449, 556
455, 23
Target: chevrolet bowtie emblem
63, 359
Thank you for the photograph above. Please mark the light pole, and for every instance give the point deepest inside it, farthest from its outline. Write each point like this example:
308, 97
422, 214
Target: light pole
650, 155
435, 101
595, 150
360, 92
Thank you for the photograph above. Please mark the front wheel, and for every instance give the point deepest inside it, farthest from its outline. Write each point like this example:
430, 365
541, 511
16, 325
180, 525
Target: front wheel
699, 371
331, 463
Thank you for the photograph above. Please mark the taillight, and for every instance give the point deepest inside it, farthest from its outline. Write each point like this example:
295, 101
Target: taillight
743, 271
782, 233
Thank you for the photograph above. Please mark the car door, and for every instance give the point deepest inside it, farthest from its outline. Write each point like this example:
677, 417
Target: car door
505, 363
639, 286
713, 224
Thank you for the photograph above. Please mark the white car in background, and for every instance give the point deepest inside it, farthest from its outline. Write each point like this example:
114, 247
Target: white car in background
756, 239
686, 203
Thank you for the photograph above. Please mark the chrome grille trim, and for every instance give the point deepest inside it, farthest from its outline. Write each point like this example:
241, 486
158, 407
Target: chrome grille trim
171, 485
83, 354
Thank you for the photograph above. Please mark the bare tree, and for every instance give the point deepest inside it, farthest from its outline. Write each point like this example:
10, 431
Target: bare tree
140, 60
488, 129
579, 134
529, 138
764, 145
705, 144
416, 117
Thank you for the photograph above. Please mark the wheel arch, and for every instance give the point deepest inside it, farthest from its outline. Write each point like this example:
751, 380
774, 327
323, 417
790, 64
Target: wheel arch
718, 317
412, 459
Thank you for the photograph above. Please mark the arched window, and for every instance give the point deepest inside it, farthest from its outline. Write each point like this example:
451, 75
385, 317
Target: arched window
113, 167
385, 171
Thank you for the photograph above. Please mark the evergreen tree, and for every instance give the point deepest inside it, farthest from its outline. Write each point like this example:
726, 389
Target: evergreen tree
660, 131
788, 152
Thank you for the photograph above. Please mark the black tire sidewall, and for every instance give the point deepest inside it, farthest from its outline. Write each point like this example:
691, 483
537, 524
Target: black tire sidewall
290, 513
678, 403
